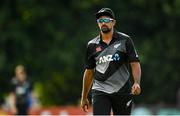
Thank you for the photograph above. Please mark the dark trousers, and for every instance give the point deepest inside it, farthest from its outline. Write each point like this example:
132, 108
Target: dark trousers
22, 109
103, 103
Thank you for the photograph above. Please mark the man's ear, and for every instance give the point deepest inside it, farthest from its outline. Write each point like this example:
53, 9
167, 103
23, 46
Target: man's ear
114, 22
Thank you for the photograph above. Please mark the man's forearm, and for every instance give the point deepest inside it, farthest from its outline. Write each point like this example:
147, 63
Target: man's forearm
136, 72
87, 82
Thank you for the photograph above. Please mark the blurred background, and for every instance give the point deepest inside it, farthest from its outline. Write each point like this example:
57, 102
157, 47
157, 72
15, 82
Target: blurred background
49, 38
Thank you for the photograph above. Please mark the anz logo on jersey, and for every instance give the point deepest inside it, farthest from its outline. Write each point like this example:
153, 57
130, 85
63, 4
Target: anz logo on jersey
108, 58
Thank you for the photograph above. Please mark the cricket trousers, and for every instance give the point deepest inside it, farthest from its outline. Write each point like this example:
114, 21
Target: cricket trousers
104, 103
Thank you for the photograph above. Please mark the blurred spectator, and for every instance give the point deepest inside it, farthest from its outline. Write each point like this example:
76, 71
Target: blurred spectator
21, 92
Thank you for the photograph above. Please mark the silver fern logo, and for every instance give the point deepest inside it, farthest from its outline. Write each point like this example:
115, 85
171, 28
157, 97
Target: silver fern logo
128, 103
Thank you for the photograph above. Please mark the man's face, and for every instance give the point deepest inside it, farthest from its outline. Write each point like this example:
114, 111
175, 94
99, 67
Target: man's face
21, 75
106, 23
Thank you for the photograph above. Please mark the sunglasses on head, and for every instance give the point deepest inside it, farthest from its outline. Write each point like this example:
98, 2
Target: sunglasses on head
104, 20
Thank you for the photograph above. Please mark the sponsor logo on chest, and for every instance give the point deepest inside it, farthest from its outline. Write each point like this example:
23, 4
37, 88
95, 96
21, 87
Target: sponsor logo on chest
108, 58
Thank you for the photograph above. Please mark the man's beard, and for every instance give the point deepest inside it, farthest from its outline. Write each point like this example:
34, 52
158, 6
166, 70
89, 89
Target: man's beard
105, 29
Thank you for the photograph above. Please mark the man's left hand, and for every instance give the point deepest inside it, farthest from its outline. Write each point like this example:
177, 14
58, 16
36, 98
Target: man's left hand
136, 89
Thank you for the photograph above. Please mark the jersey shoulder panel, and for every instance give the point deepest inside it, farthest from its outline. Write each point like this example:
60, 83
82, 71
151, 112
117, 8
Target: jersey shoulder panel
96, 40
123, 35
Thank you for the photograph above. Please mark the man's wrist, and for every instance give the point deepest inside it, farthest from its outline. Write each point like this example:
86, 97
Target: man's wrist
84, 96
137, 82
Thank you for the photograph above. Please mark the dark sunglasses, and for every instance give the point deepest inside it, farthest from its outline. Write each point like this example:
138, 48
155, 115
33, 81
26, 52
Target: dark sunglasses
104, 20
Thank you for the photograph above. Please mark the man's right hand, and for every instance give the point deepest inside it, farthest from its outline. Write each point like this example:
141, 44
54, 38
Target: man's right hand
85, 104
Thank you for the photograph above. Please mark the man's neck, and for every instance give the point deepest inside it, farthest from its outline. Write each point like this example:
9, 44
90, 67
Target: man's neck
107, 37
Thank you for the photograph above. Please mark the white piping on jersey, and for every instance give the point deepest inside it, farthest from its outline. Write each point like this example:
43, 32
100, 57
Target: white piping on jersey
95, 40
117, 45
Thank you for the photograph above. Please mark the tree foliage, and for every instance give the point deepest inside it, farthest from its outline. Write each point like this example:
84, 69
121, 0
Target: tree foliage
49, 37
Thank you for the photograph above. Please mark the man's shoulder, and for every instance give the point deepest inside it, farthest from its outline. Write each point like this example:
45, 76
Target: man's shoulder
122, 35
94, 40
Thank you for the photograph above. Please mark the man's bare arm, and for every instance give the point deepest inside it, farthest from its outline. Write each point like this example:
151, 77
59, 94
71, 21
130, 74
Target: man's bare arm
87, 83
136, 72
